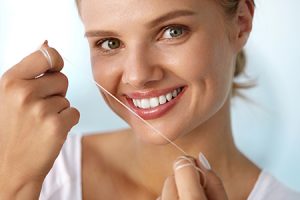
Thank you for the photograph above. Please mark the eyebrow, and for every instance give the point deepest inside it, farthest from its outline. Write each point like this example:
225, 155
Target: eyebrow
169, 16
159, 20
98, 33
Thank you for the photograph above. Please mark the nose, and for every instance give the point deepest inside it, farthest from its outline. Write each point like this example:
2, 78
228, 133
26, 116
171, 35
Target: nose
141, 68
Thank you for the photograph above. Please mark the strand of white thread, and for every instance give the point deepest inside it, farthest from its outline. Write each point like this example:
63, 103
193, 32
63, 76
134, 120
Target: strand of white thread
135, 114
47, 56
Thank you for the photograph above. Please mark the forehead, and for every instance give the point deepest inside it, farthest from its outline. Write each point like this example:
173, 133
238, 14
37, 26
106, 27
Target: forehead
104, 13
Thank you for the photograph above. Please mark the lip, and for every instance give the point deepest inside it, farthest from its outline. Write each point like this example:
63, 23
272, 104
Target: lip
151, 93
159, 111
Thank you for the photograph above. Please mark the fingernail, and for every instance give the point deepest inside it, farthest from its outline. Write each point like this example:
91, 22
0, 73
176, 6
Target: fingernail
45, 44
204, 161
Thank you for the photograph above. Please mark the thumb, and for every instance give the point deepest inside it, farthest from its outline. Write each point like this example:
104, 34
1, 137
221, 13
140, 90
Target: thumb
214, 187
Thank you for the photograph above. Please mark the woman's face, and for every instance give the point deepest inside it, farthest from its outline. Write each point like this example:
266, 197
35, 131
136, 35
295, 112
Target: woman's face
170, 61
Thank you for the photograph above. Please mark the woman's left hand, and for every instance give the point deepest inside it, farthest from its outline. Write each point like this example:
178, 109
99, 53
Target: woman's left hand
185, 184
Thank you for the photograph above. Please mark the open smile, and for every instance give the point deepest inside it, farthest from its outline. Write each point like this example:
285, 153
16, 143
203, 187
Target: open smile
154, 104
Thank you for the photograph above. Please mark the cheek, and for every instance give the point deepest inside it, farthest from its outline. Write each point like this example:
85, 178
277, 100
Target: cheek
203, 59
205, 64
106, 72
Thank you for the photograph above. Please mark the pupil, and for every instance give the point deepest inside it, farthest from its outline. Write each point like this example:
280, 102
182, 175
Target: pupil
176, 32
114, 44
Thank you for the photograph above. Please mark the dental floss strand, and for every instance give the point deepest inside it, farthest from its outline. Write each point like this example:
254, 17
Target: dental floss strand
131, 111
47, 56
185, 157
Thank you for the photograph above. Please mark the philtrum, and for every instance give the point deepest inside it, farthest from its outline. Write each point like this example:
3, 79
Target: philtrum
185, 157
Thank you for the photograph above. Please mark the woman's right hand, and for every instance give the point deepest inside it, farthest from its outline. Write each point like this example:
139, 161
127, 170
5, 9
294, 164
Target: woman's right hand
35, 118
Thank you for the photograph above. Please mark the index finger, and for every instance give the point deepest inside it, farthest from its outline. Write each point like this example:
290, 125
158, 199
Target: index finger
36, 64
188, 180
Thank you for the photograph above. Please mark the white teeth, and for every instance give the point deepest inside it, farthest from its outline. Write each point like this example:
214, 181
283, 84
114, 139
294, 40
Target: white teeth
134, 102
174, 93
145, 103
162, 99
169, 96
138, 103
154, 102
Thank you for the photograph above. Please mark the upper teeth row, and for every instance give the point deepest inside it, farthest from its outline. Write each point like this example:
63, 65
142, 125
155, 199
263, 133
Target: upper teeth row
156, 101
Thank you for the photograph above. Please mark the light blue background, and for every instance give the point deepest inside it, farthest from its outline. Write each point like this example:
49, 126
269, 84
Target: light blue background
268, 131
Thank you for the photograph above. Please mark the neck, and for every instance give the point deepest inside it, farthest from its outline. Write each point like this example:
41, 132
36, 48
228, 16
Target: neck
213, 138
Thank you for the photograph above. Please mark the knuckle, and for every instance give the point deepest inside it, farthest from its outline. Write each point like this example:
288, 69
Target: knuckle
39, 110
77, 114
24, 95
54, 124
67, 102
64, 80
6, 81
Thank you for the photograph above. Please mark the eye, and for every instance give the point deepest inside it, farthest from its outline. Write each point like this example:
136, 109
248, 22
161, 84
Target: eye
173, 32
109, 44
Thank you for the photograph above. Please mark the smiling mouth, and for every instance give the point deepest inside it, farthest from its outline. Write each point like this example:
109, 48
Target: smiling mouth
154, 102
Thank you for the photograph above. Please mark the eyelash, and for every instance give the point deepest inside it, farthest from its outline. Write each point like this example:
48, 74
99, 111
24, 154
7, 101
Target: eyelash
99, 43
185, 30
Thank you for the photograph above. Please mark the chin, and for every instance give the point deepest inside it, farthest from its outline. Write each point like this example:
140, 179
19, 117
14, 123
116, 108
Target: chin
151, 137
167, 131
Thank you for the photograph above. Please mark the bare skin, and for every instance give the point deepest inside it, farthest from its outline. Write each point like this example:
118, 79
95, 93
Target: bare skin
137, 172
117, 167
34, 123
199, 56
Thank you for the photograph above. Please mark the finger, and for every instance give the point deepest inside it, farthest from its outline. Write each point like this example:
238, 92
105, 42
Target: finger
52, 83
55, 104
69, 117
36, 64
214, 187
188, 180
50, 106
169, 191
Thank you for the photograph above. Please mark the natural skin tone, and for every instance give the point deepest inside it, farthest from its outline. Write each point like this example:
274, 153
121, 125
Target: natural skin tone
199, 55
131, 51
34, 122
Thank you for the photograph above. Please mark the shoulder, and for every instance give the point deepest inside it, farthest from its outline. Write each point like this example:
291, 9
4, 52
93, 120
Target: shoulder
107, 148
268, 187
105, 156
103, 136
107, 143
64, 178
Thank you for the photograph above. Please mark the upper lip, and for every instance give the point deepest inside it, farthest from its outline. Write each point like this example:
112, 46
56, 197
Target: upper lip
150, 93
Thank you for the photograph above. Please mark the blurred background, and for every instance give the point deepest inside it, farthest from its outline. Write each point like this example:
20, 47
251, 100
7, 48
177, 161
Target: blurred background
267, 131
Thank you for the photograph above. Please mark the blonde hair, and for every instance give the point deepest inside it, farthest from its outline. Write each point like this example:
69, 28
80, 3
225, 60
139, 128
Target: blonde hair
230, 8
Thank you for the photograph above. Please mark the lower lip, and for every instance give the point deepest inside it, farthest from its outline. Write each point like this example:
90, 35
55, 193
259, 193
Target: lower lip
154, 113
